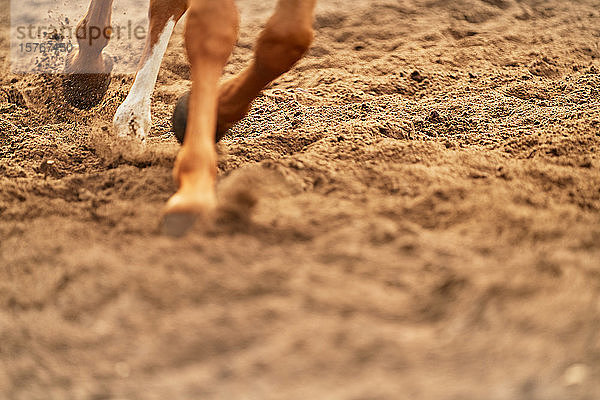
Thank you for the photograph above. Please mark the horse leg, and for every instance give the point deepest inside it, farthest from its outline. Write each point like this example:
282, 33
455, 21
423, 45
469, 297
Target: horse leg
133, 117
211, 32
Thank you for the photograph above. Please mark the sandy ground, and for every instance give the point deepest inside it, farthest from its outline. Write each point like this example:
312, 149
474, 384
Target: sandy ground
412, 213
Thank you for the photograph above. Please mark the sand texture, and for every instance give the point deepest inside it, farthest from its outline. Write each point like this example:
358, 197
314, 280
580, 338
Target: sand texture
413, 212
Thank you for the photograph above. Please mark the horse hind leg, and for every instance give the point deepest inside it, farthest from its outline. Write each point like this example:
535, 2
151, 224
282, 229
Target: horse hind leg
87, 70
133, 117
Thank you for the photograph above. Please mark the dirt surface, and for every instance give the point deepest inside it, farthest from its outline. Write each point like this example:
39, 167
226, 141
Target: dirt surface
412, 213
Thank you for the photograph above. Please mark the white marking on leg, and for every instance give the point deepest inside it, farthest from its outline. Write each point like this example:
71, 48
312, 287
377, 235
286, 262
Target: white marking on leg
133, 117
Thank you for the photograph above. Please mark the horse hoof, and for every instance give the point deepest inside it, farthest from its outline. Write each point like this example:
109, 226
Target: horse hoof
84, 91
177, 224
179, 119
